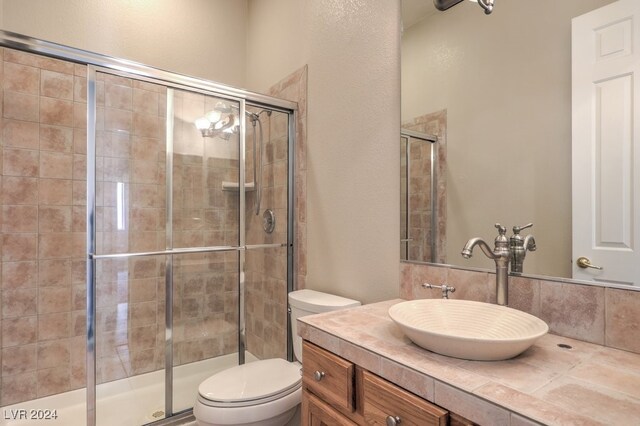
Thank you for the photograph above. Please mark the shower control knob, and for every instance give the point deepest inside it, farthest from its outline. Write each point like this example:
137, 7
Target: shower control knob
393, 420
318, 375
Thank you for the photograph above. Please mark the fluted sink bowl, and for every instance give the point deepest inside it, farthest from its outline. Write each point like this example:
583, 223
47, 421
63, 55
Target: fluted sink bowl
466, 329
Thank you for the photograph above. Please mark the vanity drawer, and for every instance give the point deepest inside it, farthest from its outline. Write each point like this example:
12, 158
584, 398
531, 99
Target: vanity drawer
383, 399
328, 376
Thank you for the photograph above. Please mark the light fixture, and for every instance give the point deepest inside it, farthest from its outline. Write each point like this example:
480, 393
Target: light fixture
487, 5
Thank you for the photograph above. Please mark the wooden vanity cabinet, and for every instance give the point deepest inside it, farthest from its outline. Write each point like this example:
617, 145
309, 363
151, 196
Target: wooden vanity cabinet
336, 392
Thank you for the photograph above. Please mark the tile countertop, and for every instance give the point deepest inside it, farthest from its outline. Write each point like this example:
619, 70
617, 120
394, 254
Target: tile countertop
587, 384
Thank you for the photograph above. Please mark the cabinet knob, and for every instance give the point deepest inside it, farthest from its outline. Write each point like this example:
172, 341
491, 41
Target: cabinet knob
393, 420
318, 375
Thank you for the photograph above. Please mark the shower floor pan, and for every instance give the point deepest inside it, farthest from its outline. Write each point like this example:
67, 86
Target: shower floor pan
126, 402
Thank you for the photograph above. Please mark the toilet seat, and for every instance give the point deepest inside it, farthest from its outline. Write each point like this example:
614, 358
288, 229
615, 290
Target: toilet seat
251, 384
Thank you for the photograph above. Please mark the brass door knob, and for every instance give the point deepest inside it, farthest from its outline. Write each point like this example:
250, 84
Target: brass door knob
584, 262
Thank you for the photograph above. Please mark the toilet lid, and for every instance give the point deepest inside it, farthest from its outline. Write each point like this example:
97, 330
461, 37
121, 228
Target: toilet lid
252, 381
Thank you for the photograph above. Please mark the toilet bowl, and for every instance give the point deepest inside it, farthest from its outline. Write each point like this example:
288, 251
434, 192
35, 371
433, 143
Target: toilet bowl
266, 392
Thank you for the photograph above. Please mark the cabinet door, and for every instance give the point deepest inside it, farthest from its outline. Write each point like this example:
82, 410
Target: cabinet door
317, 413
328, 376
386, 403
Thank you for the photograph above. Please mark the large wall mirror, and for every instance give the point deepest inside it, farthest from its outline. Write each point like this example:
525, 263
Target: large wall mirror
496, 91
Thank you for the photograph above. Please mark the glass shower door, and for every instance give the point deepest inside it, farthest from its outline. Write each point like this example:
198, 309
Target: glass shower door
268, 234
205, 210
130, 200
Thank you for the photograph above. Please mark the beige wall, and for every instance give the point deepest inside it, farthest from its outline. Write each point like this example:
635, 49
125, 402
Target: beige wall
203, 38
353, 160
505, 82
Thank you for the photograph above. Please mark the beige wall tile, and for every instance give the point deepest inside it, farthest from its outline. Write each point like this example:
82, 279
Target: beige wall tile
117, 120
57, 112
17, 275
53, 380
54, 219
37, 61
56, 165
118, 97
19, 303
55, 245
55, 191
80, 88
20, 162
21, 78
17, 247
54, 299
56, 138
56, 85
623, 319
19, 190
19, 218
19, 331
18, 388
18, 360
20, 106
54, 326
573, 310
54, 354
524, 294
20, 134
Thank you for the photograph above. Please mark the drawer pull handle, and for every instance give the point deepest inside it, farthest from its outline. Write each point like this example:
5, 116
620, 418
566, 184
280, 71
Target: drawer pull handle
318, 375
393, 420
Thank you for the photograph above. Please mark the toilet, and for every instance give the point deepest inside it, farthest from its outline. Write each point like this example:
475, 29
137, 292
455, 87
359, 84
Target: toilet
266, 392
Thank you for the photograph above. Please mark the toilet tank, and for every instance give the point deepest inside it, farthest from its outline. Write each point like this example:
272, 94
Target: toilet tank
308, 302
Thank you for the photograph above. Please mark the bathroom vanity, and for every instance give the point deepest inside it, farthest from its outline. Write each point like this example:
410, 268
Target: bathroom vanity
359, 368
339, 392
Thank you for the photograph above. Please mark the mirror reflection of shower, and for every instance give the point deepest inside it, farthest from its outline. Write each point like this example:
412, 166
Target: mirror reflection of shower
222, 121
418, 196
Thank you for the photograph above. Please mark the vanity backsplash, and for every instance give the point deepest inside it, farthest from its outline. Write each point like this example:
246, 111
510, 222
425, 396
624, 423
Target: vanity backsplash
605, 316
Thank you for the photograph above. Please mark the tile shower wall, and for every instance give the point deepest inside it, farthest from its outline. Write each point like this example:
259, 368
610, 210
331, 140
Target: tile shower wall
266, 294
605, 316
43, 139
43, 195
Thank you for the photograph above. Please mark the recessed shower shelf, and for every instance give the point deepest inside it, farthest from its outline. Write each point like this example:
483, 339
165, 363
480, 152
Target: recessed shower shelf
235, 186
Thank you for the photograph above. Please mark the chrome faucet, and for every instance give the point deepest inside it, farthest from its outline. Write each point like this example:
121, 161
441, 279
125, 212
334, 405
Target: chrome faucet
519, 246
500, 254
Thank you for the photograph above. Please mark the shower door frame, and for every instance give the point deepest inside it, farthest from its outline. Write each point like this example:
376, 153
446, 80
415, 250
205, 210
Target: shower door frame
106, 64
410, 135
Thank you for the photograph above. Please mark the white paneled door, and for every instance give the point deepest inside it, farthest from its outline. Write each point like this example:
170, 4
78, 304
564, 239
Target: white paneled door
606, 143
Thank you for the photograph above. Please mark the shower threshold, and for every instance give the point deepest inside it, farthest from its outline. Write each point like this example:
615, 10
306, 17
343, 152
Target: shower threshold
126, 402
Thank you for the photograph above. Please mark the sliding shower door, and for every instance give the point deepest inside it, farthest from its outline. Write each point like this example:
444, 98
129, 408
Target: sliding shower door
267, 222
205, 212
189, 241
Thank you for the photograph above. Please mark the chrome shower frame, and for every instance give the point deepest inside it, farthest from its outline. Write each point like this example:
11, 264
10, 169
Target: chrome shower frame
116, 66
410, 135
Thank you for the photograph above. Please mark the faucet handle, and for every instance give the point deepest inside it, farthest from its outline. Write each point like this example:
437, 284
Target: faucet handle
445, 289
517, 229
501, 229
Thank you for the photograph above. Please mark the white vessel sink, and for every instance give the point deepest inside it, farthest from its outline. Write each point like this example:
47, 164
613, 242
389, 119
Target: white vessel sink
466, 329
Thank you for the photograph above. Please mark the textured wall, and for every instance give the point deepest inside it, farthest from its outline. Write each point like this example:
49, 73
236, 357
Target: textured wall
353, 160
194, 37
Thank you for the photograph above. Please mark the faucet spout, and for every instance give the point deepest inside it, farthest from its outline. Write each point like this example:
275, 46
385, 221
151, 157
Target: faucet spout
500, 255
467, 251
